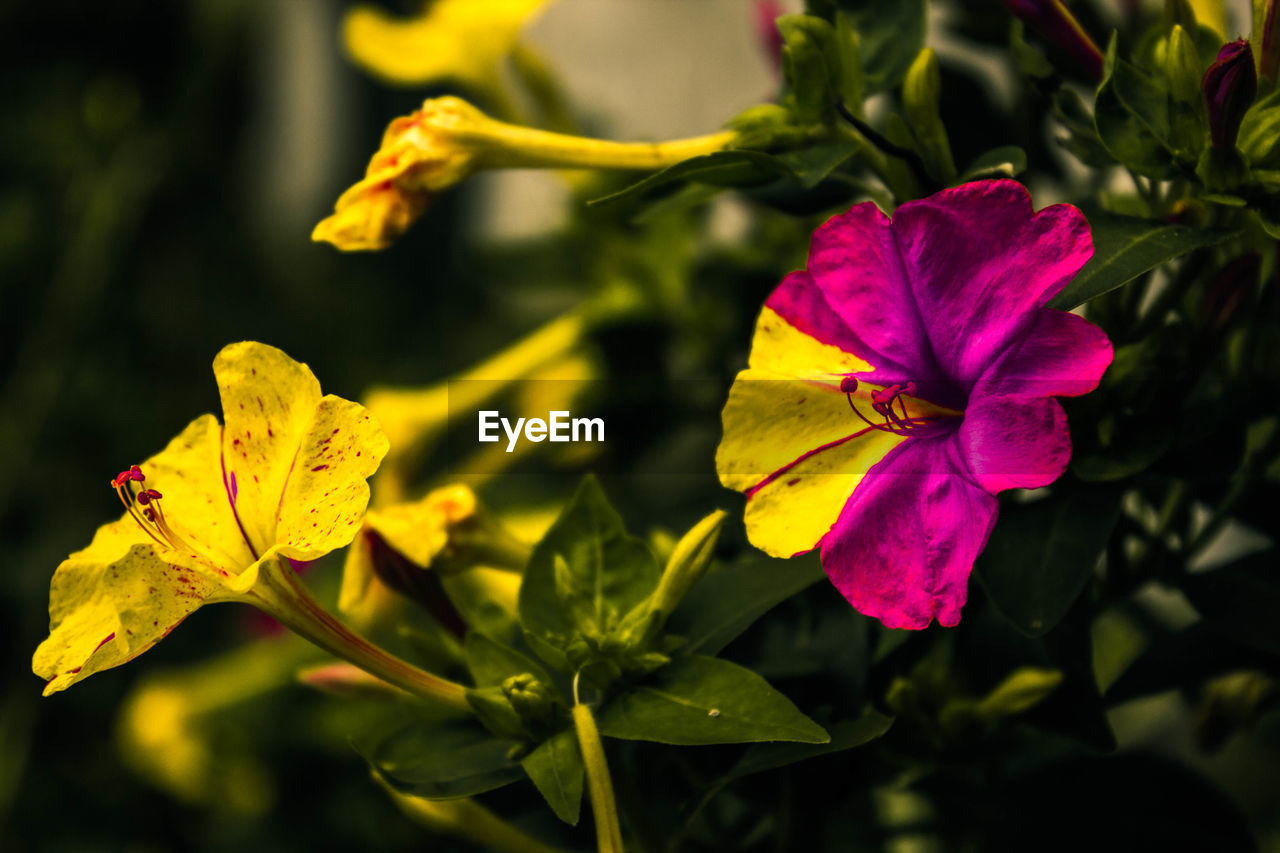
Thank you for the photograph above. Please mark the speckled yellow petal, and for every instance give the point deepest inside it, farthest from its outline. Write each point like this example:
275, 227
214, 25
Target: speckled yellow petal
188, 473
268, 401
452, 39
324, 499
106, 607
782, 348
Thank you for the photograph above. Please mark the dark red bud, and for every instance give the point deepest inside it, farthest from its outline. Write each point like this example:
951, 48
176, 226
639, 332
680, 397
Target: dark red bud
1229, 87
1058, 26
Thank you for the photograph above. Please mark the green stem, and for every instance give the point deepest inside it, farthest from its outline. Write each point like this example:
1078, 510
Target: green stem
599, 785
280, 594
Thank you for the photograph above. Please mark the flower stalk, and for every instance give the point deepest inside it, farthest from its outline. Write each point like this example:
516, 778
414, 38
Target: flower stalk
280, 594
599, 784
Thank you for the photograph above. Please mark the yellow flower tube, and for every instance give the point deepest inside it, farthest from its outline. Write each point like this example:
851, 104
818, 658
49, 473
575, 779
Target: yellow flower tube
446, 140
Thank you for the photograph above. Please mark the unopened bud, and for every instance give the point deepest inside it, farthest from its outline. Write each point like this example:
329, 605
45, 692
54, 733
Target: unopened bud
1060, 28
1229, 87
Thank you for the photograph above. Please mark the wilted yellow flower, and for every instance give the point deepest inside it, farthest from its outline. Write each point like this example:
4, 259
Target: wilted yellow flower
420, 155
462, 40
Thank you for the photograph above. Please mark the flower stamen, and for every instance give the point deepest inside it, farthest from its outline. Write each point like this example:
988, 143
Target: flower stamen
882, 403
143, 505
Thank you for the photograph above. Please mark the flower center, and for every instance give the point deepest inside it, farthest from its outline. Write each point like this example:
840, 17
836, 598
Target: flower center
889, 404
143, 504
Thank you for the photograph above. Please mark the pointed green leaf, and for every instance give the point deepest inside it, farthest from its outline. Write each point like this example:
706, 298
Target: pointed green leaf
1124, 248
734, 168
729, 598
701, 700
556, 769
1131, 114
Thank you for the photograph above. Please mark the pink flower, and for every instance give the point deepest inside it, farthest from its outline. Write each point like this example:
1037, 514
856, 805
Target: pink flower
901, 381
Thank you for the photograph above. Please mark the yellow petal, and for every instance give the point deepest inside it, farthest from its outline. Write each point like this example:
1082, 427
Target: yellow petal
420, 530
188, 472
771, 420
453, 39
295, 462
324, 500
782, 348
791, 513
107, 607
268, 401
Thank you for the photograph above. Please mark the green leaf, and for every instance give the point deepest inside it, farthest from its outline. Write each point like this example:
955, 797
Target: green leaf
813, 164
556, 769
1124, 248
730, 597
1082, 136
1041, 554
443, 761
701, 700
1131, 114
738, 167
1007, 161
890, 36
491, 662
846, 734
586, 573
1259, 138
1241, 600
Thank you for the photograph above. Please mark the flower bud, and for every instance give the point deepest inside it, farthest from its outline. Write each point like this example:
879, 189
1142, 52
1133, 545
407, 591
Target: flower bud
1229, 87
921, 98
1059, 27
688, 561
1182, 66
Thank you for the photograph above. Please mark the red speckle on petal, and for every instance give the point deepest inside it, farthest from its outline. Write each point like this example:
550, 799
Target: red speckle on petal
319, 467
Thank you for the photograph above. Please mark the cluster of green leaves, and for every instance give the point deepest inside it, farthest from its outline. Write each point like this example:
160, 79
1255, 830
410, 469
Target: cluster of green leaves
597, 621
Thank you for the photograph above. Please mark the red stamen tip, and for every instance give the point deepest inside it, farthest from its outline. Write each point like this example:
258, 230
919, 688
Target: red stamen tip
135, 473
149, 513
910, 390
848, 385
154, 495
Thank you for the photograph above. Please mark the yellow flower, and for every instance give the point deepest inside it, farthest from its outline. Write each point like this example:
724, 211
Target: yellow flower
211, 517
437, 146
462, 40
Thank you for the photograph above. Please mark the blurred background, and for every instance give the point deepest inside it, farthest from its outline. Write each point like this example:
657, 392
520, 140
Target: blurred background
161, 167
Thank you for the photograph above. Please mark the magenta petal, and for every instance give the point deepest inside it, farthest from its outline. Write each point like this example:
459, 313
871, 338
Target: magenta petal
1062, 356
980, 263
905, 542
854, 295
1015, 442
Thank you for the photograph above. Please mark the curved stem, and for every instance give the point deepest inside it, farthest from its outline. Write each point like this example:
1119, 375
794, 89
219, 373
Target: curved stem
599, 785
280, 594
